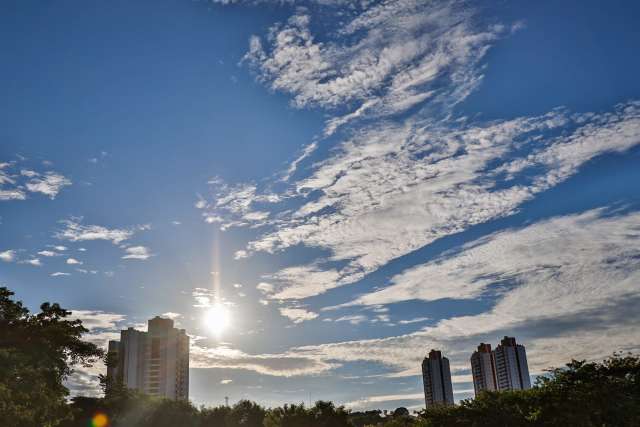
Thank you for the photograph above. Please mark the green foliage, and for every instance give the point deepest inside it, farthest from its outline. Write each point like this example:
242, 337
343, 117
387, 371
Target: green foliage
214, 417
246, 414
37, 353
322, 414
580, 394
367, 418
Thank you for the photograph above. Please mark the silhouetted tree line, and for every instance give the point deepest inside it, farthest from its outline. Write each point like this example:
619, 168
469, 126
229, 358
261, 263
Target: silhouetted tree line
39, 351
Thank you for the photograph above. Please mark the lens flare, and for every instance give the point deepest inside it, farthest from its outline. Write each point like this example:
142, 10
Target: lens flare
99, 420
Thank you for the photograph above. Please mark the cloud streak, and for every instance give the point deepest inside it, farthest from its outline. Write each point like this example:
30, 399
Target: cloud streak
15, 184
408, 170
74, 231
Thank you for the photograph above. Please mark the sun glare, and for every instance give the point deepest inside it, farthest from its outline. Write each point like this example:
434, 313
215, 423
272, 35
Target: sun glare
217, 319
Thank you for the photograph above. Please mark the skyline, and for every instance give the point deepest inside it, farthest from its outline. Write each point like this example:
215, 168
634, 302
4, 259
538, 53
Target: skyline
345, 185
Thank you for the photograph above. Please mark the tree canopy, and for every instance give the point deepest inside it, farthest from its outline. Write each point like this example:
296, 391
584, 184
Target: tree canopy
37, 354
39, 351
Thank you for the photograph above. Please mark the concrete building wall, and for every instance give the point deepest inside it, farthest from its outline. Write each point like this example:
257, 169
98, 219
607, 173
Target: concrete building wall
436, 377
483, 369
155, 362
511, 366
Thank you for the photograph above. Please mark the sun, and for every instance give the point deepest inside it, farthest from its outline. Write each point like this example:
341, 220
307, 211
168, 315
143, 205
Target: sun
217, 319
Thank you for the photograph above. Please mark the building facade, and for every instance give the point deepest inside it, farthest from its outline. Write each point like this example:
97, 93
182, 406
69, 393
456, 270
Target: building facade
483, 369
154, 362
512, 370
436, 377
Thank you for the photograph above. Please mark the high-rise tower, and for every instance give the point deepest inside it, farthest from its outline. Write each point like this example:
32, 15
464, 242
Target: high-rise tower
436, 376
154, 362
483, 369
512, 371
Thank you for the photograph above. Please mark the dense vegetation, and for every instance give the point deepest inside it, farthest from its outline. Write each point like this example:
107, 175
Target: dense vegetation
39, 351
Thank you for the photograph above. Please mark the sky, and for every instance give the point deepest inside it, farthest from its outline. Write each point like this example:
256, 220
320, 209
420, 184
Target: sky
353, 182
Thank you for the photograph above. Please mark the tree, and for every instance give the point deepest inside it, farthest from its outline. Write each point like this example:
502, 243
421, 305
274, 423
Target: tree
37, 354
326, 414
367, 418
293, 415
214, 417
585, 394
245, 414
322, 414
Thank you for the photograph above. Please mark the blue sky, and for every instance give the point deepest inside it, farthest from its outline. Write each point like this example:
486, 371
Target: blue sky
356, 182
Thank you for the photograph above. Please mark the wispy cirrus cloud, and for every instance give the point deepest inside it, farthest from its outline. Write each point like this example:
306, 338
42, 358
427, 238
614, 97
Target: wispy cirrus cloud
8, 256
549, 276
409, 167
74, 231
280, 365
566, 255
15, 184
48, 253
408, 51
49, 184
297, 314
365, 402
546, 277
59, 274
466, 176
406, 169
137, 252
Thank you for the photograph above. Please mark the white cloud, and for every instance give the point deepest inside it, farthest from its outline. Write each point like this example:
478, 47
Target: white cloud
366, 401
232, 206
33, 261
137, 252
204, 297
561, 253
59, 274
49, 184
297, 314
302, 281
225, 382
48, 253
14, 185
549, 276
171, 315
415, 320
395, 185
75, 231
281, 365
466, 175
354, 319
13, 194
73, 261
240, 254
8, 255
265, 287
403, 53
392, 186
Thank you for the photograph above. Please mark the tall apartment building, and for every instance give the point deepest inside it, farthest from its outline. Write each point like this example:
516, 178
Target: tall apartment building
512, 371
483, 369
154, 362
436, 376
